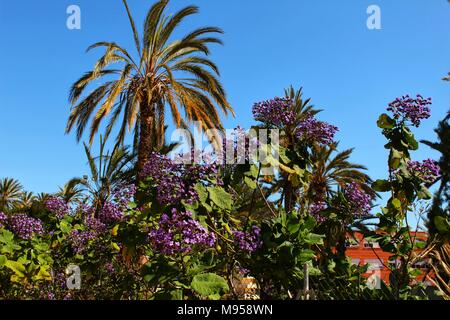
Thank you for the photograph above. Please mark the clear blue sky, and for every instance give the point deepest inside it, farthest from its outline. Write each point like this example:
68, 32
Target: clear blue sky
322, 45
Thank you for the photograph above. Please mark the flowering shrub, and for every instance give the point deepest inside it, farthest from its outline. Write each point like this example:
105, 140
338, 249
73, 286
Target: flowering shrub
248, 241
428, 170
24, 226
58, 206
359, 200
179, 233
3, 219
406, 108
276, 112
196, 228
313, 130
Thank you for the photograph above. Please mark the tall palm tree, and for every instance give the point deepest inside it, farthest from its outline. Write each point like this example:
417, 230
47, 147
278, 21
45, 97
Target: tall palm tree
10, 193
164, 73
332, 169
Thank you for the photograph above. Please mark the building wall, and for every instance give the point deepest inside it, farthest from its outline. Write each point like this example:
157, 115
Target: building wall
362, 252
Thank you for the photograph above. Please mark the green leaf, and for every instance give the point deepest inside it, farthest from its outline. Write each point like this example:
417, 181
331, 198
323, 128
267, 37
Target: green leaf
293, 228
442, 224
424, 193
17, 267
313, 238
65, 226
409, 137
250, 183
209, 285
220, 197
306, 255
385, 122
396, 203
201, 191
3, 260
43, 274
381, 186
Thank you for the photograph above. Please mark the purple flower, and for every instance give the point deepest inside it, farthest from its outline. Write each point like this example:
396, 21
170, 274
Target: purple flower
109, 267
58, 206
248, 241
24, 226
110, 213
428, 170
312, 130
414, 110
276, 112
316, 208
175, 182
3, 220
80, 239
179, 233
124, 194
359, 200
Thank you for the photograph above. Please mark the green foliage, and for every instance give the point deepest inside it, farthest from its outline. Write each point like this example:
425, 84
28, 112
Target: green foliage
209, 285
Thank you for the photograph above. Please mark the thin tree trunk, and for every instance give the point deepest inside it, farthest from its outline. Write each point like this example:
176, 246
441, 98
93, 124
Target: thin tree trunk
145, 148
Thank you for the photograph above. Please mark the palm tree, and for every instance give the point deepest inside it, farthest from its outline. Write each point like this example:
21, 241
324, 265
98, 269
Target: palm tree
10, 193
71, 192
109, 171
164, 73
329, 172
302, 108
25, 201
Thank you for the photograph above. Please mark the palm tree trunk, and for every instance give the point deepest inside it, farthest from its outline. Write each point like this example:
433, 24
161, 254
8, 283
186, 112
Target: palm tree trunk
145, 148
289, 200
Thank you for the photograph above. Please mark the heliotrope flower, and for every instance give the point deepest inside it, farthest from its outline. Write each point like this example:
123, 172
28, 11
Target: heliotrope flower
276, 112
248, 241
3, 220
58, 206
313, 130
427, 170
414, 110
359, 200
173, 181
80, 239
24, 226
179, 233
316, 208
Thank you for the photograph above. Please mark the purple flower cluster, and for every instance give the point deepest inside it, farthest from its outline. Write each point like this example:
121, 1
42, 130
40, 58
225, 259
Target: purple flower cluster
178, 233
411, 109
124, 194
316, 208
359, 200
110, 212
248, 241
313, 130
175, 181
3, 220
428, 170
276, 112
24, 226
79, 239
58, 206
